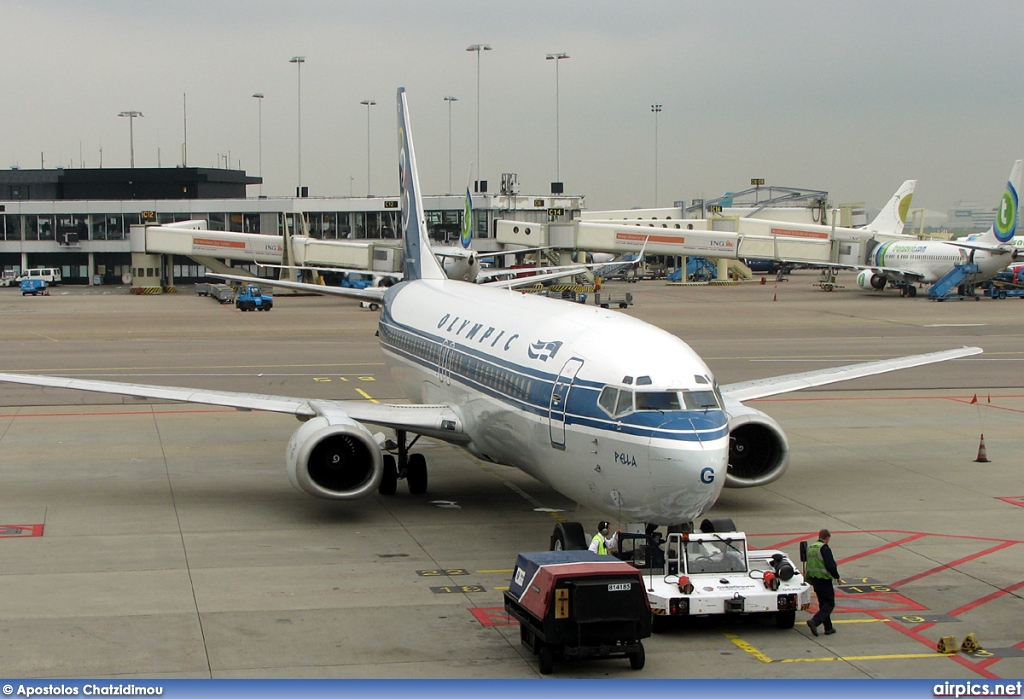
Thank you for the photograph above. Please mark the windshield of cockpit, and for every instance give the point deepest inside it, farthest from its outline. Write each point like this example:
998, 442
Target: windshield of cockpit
721, 556
620, 401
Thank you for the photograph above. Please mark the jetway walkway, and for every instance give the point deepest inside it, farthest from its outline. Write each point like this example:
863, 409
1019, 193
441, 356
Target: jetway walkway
152, 246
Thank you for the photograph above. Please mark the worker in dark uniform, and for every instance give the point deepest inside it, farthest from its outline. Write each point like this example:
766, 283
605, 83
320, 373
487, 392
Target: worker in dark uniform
821, 571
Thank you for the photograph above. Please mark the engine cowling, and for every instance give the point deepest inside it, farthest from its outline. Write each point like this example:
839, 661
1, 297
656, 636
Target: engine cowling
758, 449
869, 279
336, 459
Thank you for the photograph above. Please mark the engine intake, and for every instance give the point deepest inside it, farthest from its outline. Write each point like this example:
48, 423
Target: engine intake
758, 449
336, 459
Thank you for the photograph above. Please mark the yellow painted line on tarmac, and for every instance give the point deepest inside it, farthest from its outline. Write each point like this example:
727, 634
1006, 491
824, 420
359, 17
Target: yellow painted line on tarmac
895, 656
366, 395
746, 647
759, 655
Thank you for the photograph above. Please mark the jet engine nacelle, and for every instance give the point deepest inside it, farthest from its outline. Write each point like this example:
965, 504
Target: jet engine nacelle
758, 449
869, 279
336, 459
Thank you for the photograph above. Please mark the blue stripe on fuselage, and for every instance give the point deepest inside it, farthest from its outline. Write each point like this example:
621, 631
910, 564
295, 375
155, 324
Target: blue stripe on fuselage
528, 389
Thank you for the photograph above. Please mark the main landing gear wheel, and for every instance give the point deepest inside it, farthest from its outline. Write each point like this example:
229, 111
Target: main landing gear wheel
411, 467
389, 481
568, 536
416, 474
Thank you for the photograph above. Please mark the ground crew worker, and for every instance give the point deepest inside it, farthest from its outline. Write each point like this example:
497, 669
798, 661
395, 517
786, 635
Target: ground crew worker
602, 543
821, 571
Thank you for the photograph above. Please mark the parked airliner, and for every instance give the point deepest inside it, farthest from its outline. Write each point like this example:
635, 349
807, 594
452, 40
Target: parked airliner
905, 263
616, 414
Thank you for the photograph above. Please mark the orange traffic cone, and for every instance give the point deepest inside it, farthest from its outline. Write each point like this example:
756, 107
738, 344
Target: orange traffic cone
982, 456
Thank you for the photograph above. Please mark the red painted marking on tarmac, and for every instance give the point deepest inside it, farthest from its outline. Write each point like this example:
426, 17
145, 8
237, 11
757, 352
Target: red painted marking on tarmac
883, 547
915, 634
492, 616
20, 531
947, 566
1017, 500
897, 602
986, 598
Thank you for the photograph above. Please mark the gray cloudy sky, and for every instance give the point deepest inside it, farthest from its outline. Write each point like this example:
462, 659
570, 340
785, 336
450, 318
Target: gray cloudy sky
850, 97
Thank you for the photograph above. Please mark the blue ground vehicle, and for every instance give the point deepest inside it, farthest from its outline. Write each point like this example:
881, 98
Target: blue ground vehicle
34, 287
250, 297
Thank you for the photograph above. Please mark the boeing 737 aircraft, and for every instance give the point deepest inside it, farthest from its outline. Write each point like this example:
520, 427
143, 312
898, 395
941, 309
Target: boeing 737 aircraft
616, 414
905, 263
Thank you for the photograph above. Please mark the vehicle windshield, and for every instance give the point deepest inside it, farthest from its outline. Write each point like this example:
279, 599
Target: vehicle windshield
724, 556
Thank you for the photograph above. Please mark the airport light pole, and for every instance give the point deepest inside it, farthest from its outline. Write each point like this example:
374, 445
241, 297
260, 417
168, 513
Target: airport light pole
556, 57
368, 103
479, 48
259, 101
656, 108
131, 114
298, 61
449, 99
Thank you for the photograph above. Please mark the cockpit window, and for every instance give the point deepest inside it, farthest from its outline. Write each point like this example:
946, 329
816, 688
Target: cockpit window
701, 400
677, 400
658, 400
625, 403
616, 401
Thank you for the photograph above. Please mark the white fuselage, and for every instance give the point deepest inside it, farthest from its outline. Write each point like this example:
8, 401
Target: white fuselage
934, 258
529, 376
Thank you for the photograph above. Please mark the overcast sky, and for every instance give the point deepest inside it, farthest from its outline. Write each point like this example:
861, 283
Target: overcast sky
850, 97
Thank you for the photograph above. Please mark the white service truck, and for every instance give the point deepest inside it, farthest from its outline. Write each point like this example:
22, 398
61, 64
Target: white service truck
714, 571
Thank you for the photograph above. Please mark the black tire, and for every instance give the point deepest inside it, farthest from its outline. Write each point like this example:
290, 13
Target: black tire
374, 307
785, 620
389, 481
568, 536
416, 474
547, 660
718, 524
639, 658
912, 291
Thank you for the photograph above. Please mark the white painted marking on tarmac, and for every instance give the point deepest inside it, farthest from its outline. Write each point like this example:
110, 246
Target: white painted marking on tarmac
955, 325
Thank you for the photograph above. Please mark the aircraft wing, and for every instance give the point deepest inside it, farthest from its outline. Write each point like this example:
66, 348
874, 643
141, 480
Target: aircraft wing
904, 274
971, 245
762, 388
373, 293
553, 273
436, 420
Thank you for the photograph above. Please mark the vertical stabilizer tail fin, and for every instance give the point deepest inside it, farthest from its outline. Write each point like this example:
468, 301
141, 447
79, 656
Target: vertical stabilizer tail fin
466, 234
420, 262
1005, 226
893, 216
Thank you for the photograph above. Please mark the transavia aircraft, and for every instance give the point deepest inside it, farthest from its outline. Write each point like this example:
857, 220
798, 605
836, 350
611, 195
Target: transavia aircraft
906, 262
614, 413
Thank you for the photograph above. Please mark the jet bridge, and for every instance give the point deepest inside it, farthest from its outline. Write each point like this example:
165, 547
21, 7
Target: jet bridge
152, 246
719, 238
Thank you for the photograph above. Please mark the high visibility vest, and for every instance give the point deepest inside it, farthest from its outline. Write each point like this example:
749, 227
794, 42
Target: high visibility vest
601, 548
816, 563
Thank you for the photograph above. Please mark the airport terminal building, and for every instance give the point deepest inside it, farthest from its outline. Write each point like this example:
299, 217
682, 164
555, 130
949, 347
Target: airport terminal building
78, 220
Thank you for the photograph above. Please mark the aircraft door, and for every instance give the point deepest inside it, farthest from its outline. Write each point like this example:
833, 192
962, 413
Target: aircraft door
446, 362
560, 400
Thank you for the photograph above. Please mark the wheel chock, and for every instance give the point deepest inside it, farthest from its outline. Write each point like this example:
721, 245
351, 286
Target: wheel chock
970, 644
947, 644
